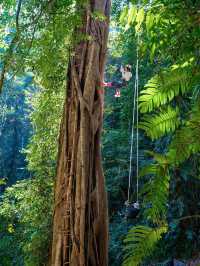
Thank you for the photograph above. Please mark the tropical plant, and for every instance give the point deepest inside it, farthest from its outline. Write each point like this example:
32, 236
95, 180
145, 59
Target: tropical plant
142, 240
167, 107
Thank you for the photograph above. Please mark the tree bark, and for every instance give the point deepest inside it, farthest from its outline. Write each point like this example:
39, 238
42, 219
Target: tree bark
80, 224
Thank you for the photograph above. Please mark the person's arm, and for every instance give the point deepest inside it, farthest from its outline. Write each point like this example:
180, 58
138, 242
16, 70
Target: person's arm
107, 84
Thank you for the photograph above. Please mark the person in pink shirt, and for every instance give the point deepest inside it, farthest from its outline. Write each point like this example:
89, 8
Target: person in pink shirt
126, 76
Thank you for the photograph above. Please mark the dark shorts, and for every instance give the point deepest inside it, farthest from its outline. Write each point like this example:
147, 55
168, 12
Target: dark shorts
119, 84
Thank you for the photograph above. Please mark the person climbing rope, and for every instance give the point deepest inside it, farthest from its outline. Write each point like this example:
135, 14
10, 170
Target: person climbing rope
132, 209
126, 76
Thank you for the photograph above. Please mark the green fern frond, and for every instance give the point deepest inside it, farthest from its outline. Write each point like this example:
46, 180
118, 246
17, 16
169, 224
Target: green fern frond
162, 88
185, 143
158, 157
150, 169
157, 125
156, 192
181, 147
186, 140
140, 243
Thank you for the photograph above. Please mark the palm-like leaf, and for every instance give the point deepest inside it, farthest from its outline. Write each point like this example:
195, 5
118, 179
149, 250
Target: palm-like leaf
186, 140
156, 190
156, 196
157, 125
162, 88
140, 243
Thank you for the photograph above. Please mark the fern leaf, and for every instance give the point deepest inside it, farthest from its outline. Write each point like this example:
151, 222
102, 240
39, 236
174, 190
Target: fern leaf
157, 125
150, 169
186, 140
162, 89
184, 144
180, 148
156, 192
160, 158
140, 243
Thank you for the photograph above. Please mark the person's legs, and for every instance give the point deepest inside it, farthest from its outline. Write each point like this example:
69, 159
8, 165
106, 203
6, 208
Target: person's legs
117, 84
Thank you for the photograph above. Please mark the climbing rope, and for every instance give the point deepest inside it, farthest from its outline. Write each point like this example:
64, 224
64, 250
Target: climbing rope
137, 121
132, 140
135, 110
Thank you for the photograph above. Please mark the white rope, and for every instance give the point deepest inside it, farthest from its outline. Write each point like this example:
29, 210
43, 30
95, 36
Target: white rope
135, 110
137, 122
132, 135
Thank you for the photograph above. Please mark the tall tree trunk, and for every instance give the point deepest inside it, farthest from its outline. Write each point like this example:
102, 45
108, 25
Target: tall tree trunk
80, 226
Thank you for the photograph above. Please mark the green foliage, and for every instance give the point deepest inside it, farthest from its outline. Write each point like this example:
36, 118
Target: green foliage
124, 14
140, 242
132, 15
15, 128
42, 150
156, 189
169, 35
161, 123
139, 19
169, 116
26, 207
186, 140
149, 21
2, 181
117, 230
163, 87
116, 138
26, 210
